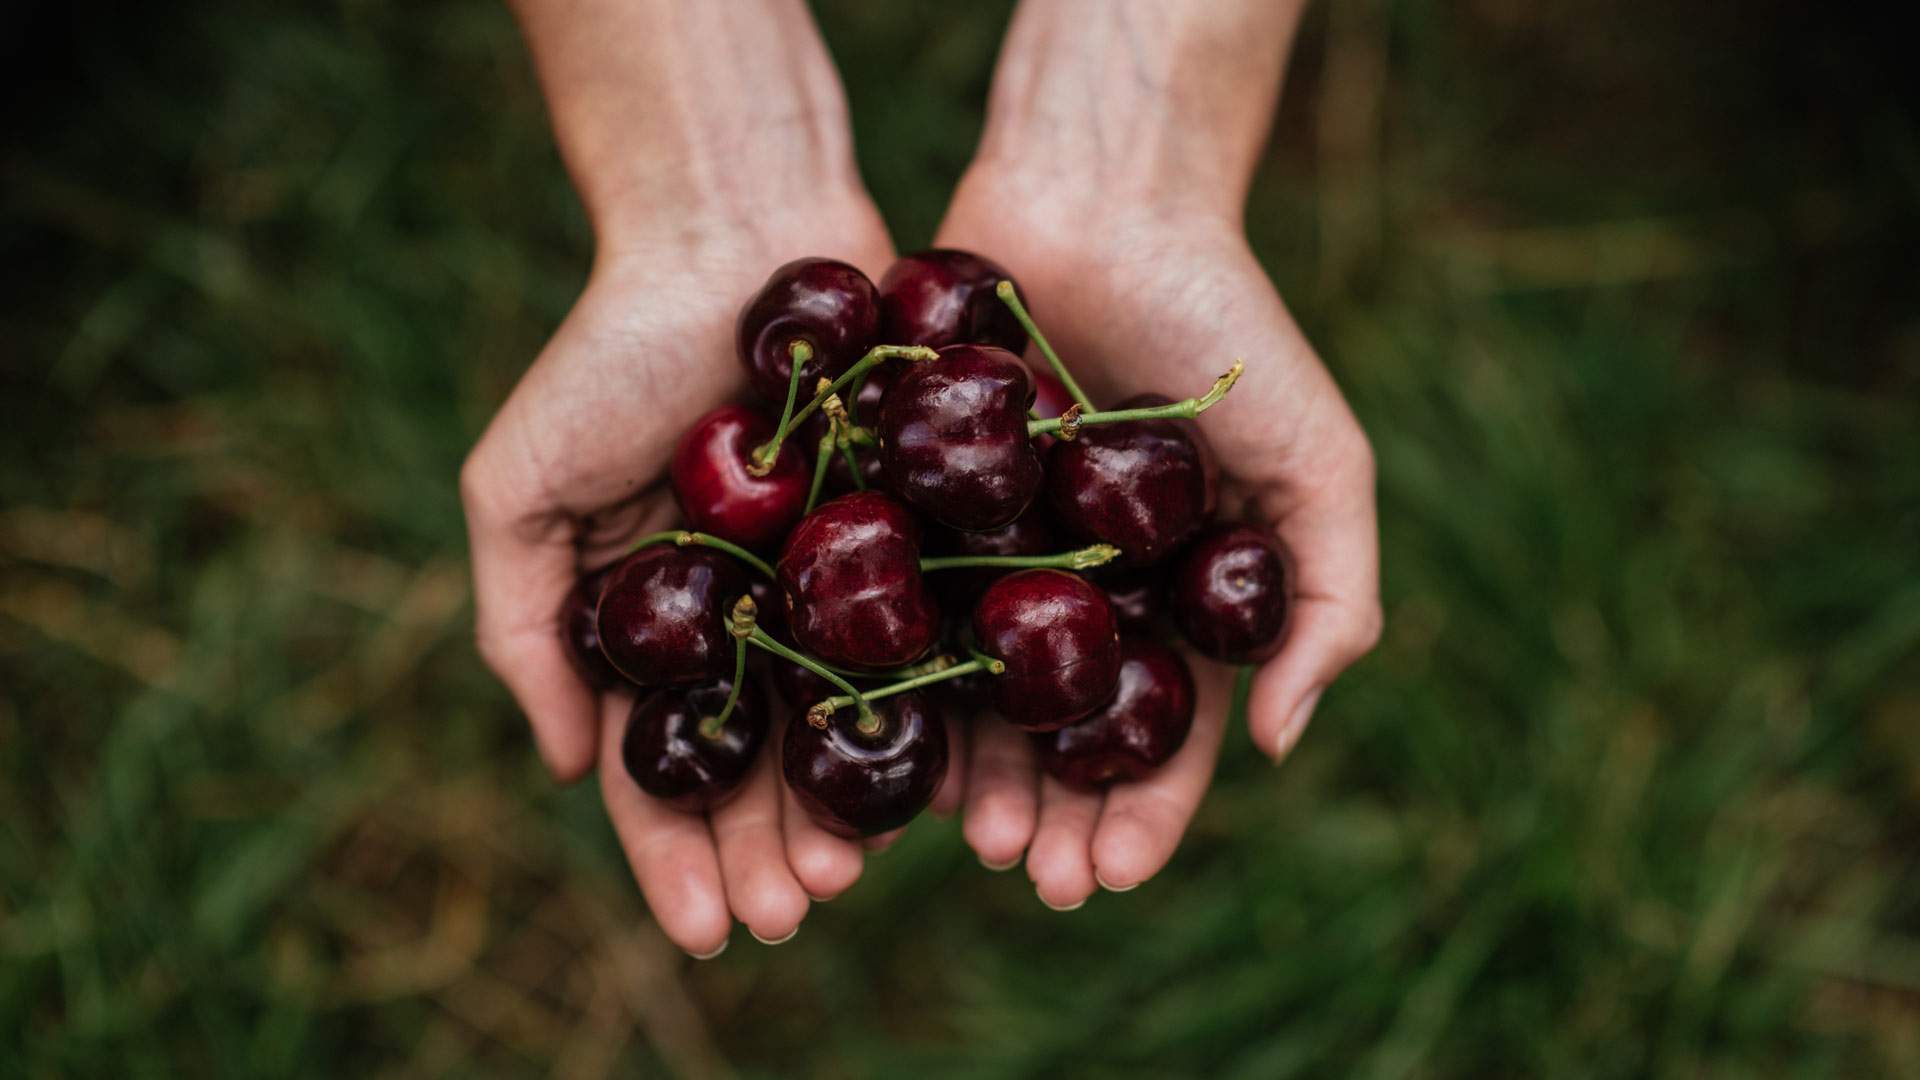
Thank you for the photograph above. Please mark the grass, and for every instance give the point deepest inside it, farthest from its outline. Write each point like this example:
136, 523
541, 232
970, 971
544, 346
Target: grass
1624, 296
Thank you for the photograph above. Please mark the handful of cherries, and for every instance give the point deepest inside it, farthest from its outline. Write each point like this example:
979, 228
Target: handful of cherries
918, 551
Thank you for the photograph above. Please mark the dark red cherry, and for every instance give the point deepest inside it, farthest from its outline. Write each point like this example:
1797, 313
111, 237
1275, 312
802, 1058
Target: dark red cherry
1144, 486
663, 616
770, 606
1230, 593
1029, 534
1050, 399
831, 306
1056, 634
864, 411
718, 495
1136, 731
1138, 595
580, 631
855, 597
855, 784
946, 297
668, 756
799, 687
953, 435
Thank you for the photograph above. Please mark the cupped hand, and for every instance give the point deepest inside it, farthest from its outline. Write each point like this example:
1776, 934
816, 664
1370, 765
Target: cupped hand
571, 470
1139, 298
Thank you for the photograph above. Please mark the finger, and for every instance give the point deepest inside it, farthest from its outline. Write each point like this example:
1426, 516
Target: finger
1143, 820
761, 889
953, 787
523, 565
1002, 794
1060, 862
1333, 541
671, 853
877, 844
825, 865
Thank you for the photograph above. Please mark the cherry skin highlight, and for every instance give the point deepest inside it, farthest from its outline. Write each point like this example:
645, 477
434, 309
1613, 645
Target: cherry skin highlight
953, 435
855, 596
855, 784
826, 303
666, 753
580, 630
1231, 594
946, 297
1057, 636
663, 616
718, 495
1144, 486
1139, 728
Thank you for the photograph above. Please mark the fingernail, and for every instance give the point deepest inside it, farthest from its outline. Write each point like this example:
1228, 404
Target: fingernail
1069, 907
773, 941
999, 867
1114, 888
1301, 714
711, 955
817, 899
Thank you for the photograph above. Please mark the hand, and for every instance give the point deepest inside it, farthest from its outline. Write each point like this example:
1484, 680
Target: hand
1142, 297
689, 219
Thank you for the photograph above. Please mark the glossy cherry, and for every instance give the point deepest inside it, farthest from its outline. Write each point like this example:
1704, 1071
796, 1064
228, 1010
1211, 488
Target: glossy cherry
718, 495
946, 297
1144, 486
855, 596
1050, 399
856, 784
1057, 636
1138, 729
670, 758
830, 305
1138, 595
1029, 534
663, 616
580, 630
1230, 593
953, 435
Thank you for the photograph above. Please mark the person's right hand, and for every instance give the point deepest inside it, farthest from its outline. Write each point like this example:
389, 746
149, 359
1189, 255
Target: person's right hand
701, 178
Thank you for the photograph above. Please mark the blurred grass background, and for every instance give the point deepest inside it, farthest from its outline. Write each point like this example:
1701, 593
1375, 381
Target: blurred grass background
1625, 293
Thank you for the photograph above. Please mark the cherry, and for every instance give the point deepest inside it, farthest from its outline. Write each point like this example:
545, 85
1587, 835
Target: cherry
855, 597
580, 631
945, 297
1029, 534
717, 493
828, 304
673, 760
799, 687
1050, 399
855, 783
1143, 486
1230, 593
1136, 731
769, 604
953, 435
1138, 595
663, 616
1057, 636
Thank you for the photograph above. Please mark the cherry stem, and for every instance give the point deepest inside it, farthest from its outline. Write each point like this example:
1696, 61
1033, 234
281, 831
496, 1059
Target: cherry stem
684, 538
951, 671
1011, 297
820, 462
839, 424
1070, 422
860, 367
993, 666
741, 627
1085, 558
760, 462
852, 696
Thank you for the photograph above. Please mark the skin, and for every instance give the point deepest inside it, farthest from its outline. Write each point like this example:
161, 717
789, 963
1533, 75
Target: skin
1121, 138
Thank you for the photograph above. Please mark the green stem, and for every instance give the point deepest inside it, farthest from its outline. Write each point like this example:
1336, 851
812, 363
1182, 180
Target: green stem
819, 472
993, 666
711, 726
918, 681
1066, 426
1085, 558
853, 466
1011, 297
860, 367
798, 353
683, 538
852, 696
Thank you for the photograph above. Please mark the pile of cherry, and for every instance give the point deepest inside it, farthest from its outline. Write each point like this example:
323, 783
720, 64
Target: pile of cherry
918, 493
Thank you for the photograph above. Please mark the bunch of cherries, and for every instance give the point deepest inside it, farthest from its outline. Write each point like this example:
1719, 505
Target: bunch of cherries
920, 550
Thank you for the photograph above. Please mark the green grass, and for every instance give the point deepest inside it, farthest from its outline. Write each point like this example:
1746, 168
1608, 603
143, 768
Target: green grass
1624, 295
